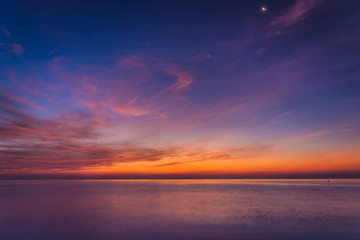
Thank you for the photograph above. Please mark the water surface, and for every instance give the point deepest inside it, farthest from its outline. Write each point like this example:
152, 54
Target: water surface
180, 209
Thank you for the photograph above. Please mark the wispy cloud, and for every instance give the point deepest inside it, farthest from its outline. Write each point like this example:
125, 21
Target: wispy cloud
14, 48
71, 142
190, 154
129, 109
296, 13
337, 131
354, 100
6, 32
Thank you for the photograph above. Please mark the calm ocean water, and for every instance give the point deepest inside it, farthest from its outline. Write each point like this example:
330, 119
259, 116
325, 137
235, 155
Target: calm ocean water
180, 209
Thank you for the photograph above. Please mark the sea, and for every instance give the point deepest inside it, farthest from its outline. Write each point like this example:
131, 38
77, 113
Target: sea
179, 209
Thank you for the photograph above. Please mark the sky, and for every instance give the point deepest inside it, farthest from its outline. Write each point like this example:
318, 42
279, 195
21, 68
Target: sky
180, 88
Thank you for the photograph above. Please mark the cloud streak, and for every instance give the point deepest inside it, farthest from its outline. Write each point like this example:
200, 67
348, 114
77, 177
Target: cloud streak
296, 13
29, 143
6, 32
194, 92
14, 48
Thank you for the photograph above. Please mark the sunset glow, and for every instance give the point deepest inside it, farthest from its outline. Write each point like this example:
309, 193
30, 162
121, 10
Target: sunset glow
175, 90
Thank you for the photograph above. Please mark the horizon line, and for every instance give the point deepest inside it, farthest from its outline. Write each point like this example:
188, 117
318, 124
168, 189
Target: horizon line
175, 177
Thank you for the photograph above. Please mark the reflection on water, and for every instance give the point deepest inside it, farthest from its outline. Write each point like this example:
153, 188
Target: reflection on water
180, 209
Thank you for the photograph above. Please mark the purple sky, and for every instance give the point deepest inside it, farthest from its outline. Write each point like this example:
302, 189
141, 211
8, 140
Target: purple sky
135, 88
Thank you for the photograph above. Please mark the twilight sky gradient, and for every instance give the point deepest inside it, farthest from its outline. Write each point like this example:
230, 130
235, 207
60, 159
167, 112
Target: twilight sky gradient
180, 88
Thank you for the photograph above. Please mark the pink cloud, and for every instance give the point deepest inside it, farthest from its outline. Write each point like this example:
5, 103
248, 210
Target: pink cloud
20, 100
70, 143
17, 48
129, 109
298, 12
6, 32
128, 77
12, 48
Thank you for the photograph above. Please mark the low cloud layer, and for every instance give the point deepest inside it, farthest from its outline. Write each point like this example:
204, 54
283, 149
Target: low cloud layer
30, 143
